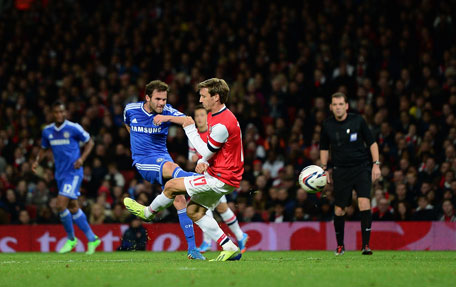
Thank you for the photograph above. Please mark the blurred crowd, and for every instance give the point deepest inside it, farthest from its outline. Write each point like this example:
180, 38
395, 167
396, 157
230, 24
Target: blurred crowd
395, 60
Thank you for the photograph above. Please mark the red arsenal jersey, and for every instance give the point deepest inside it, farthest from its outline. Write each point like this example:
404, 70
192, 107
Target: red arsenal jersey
225, 140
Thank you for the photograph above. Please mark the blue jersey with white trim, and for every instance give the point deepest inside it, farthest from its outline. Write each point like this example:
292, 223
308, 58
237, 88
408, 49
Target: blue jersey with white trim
64, 142
147, 139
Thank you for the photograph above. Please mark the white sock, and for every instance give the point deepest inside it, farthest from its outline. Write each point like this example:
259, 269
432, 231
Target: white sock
210, 226
206, 237
231, 220
160, 202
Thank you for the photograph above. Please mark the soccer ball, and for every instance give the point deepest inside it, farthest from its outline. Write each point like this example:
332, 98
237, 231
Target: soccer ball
312, 179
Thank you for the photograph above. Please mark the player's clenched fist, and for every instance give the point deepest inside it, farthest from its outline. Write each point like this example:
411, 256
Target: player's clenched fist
159, 119
201, 167
188, 121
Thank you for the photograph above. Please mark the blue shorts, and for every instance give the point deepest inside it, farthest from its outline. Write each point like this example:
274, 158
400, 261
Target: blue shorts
151, 167
69, 185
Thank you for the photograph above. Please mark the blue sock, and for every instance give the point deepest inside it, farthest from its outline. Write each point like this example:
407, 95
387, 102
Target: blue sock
179, 172
187, 226
65, 217
81, 221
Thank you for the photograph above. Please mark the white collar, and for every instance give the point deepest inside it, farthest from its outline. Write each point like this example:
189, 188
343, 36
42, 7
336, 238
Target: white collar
61, 126
142, 108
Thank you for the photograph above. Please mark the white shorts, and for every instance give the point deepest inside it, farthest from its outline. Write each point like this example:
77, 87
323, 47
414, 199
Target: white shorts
206, 190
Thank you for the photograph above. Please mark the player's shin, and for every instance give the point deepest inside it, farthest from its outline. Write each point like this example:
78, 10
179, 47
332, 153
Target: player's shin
211, 227
65, 218
206, 237
187, 226
366, 222
81, 221
339, 227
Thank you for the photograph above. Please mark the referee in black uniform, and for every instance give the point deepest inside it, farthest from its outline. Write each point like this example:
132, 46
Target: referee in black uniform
349, 139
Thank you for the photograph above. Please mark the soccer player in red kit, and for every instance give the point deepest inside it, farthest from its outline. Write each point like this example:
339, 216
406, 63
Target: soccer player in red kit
222, 208
221, 166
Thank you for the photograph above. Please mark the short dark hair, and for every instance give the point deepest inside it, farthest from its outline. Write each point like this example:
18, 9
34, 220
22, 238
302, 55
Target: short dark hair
156, 85
216, 86
58, 104
339, 95
200, 107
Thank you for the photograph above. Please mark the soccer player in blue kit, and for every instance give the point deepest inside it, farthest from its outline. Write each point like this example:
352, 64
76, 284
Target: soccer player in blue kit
148, 132
63, 137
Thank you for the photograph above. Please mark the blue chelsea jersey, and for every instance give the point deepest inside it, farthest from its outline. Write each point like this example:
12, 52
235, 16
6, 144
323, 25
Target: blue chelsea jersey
147, 139
64, 142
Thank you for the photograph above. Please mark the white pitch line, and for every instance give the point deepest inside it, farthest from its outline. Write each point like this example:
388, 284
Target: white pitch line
71, 261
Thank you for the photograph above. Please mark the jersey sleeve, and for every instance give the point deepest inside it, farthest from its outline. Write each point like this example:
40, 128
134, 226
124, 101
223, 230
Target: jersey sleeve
173, 112
44, 140
126, 117
80, 134
191, 150
366, 132
217, 137
324, 139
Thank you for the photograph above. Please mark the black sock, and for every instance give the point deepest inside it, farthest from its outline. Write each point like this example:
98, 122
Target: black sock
366, 222
339, 227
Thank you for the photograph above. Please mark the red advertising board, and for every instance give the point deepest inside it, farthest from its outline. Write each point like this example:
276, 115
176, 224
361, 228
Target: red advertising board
263, 236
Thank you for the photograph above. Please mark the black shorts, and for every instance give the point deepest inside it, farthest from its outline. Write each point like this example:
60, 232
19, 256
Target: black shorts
347, 179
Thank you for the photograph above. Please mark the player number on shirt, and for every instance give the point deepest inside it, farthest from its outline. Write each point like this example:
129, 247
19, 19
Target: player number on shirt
67, 188
199, 181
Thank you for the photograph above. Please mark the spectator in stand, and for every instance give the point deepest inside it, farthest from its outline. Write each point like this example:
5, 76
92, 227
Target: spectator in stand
448, 213
250, 215
135, 237
383, 213
97, 214
402, 211
24, 218
424, 211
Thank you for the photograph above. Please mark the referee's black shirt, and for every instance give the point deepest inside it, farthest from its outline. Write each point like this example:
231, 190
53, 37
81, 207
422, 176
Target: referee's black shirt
348, 141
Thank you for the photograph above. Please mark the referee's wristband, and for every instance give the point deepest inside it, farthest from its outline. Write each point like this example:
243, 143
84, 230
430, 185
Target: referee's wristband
324, 167
376, 162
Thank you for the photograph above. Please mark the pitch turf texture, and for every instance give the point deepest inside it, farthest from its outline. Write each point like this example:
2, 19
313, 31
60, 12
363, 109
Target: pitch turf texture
293, 268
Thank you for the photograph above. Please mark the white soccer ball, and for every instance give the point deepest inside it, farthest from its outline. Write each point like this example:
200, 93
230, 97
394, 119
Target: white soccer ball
312, 179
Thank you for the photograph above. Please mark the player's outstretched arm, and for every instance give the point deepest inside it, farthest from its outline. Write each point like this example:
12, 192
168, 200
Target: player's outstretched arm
87, 149
158, 119
195, 139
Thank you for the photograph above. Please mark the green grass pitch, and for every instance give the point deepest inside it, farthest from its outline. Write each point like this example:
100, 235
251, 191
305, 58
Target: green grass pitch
290, 268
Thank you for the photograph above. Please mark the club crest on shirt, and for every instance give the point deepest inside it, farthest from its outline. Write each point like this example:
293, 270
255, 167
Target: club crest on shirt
353, 137
50, 137
66, 135
159, 159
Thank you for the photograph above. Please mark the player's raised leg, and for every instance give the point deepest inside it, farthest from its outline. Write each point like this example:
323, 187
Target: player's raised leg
172, 170
161, 202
